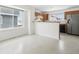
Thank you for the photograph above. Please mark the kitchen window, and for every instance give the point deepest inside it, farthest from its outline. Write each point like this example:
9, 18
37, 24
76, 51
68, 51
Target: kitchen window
10, 17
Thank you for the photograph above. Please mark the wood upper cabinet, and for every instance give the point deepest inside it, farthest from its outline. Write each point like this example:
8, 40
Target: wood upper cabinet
36, 13
44, 15
71, 12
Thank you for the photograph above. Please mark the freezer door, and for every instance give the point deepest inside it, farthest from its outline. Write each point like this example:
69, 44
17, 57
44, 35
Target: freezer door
75, 24
69, 25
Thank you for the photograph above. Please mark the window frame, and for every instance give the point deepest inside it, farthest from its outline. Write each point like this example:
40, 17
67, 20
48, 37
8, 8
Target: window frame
13, 27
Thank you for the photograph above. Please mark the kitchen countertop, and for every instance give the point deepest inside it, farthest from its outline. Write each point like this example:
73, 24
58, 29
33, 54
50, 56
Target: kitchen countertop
47, 22
61, 22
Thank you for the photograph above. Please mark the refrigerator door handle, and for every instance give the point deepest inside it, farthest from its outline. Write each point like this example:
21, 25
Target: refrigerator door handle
68, 21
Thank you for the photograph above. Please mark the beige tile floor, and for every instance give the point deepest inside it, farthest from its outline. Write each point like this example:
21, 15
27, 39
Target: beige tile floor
35, 44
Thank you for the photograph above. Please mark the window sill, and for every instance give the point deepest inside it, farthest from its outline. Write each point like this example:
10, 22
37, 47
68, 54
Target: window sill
11, 28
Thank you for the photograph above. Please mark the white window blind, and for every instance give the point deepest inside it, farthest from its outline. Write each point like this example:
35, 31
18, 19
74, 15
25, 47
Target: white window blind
10, 17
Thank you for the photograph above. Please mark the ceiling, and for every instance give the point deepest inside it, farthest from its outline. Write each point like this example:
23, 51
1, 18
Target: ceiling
51, 7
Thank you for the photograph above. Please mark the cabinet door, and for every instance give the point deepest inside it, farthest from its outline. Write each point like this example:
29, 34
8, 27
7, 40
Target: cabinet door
37, 14
45, 17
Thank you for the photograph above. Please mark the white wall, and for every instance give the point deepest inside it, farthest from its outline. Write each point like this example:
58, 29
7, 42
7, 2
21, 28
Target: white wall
5, 34
31, 16
73, 8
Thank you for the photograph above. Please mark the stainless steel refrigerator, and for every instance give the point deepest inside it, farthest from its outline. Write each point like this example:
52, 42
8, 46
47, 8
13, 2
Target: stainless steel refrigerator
73, 24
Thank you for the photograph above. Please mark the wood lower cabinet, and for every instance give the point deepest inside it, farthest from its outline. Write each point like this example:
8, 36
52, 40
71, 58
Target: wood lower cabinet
63, 28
